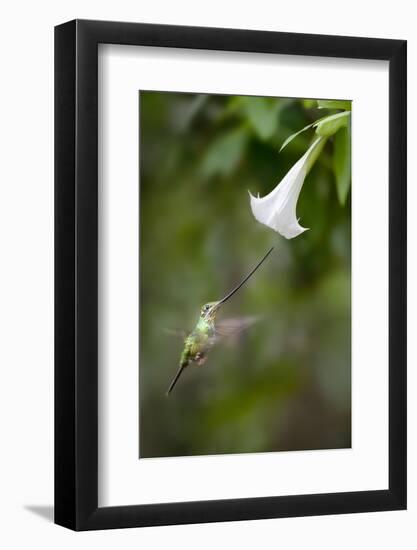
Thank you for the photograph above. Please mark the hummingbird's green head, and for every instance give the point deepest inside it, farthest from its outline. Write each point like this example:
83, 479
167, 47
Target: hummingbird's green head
208, 311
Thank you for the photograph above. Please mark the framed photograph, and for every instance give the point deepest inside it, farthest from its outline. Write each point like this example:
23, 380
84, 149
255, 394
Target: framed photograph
230, 247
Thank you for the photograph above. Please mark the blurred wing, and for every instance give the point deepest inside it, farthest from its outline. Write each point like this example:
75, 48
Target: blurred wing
233, 327
175, 332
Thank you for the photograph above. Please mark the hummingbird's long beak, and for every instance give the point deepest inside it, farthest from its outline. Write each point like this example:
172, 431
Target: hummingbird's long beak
230, 294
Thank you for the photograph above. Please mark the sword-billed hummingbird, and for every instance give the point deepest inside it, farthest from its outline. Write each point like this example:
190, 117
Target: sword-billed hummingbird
203, 336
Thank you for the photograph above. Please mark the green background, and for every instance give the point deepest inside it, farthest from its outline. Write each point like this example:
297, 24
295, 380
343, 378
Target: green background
285, 384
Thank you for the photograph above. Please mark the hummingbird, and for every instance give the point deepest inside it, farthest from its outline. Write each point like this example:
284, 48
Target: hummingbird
207, 331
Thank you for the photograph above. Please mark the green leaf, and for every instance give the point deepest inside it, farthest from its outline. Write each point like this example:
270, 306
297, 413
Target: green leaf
342, 163
309, 103
224, 153
292, 136
331, 124
262, 115
193, 108
325, 126
334, 104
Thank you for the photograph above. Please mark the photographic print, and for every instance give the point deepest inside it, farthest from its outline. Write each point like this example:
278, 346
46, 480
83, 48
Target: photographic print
245, 274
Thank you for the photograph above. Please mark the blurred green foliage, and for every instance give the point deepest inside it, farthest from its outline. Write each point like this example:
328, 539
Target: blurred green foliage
285, 384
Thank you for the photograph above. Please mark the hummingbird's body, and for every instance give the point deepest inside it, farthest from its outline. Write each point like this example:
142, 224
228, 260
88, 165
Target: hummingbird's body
198, 342
206, 331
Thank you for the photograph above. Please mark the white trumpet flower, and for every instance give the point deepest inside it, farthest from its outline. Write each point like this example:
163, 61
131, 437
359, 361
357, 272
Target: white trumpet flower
277, 210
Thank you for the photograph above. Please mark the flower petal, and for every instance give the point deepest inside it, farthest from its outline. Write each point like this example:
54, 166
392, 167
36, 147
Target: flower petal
277, 210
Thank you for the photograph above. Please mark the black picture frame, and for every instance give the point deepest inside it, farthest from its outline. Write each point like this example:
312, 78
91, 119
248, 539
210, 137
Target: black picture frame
76, 272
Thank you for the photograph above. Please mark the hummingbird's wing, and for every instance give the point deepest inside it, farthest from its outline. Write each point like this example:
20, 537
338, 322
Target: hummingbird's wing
232, 327
175, 332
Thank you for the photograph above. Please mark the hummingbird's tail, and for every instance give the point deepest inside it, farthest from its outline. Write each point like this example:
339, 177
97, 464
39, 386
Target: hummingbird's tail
176, 377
